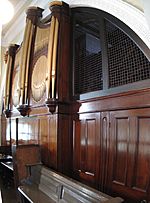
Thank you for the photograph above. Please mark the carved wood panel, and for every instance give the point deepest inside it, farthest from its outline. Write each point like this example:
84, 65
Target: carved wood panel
53, 122
44, 139
122, 138
86, 148
129, 162
141, 181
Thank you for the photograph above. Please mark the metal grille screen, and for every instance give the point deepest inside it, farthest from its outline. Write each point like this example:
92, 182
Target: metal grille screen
88, 58
127, 63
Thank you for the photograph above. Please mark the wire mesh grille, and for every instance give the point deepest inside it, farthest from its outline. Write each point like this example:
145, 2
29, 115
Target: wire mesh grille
127, 63
88, 62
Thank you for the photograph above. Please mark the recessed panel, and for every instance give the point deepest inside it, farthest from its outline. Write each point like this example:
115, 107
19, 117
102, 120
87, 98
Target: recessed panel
121, 150
143, 155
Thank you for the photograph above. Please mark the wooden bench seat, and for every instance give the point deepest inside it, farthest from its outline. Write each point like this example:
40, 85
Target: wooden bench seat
45, 185
33, 194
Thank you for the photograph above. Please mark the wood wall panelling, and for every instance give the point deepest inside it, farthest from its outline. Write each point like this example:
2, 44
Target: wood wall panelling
129, 172
86, 148
104, 150
123, 154
53, 141
28, 131
142, 159
107, 146
44, 139
127, 100
14, 131
48, 140
65, 144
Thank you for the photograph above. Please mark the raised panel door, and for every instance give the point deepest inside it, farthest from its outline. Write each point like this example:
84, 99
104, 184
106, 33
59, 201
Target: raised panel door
129, 154
86, 148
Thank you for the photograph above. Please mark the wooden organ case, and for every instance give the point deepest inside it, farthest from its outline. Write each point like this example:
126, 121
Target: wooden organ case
36, 102
102, 141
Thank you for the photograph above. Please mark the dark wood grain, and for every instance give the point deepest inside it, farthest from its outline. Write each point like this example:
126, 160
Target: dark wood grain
129, 154
103, 142
86, 148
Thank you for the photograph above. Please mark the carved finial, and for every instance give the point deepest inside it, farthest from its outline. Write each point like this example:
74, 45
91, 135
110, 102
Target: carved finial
55, 3
34, 12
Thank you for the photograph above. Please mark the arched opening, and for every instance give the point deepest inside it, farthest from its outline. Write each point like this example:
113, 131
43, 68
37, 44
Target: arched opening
108, 56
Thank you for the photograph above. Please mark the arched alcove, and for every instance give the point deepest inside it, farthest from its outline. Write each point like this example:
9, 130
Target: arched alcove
131, 16
108, 56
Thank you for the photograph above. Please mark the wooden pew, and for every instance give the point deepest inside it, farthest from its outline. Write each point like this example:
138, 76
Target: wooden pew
23, 155
45, 185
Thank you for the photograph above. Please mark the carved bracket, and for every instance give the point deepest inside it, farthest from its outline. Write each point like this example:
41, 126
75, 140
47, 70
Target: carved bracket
56, 106
52, 104
24, 109
7, 113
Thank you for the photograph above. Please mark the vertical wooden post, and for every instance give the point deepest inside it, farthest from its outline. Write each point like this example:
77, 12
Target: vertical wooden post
10, 65
58, 85
33, 14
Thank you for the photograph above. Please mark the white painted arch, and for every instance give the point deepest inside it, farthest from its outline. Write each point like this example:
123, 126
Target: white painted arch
131, 16
128, 14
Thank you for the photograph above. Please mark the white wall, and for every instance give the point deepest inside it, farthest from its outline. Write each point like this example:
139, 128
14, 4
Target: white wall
146, 5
